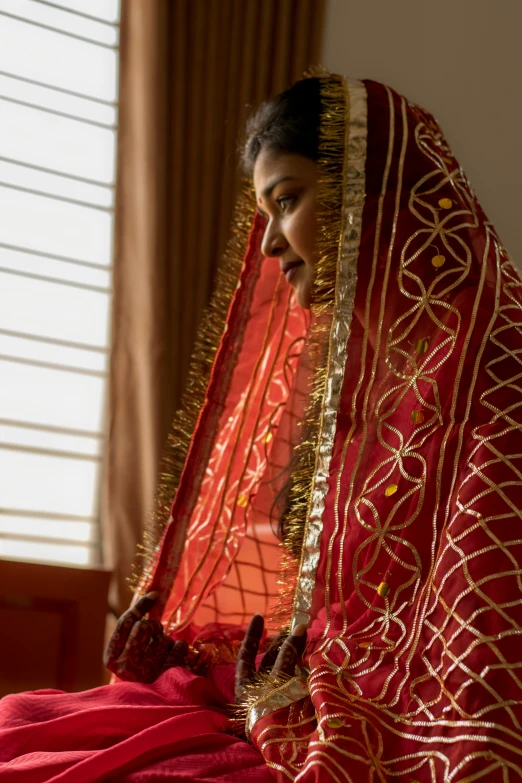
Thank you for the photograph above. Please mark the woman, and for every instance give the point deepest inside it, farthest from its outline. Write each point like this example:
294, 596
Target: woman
365, 404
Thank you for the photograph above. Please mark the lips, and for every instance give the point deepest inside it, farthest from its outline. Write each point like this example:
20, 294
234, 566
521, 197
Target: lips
288, 268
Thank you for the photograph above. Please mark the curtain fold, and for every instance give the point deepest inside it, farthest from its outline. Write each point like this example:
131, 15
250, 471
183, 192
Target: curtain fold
188, 71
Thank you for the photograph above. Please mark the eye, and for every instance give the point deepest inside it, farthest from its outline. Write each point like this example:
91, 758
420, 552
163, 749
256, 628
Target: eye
285, 202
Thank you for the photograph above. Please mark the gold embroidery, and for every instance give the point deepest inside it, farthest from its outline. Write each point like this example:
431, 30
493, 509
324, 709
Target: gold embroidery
423, 717
353, 416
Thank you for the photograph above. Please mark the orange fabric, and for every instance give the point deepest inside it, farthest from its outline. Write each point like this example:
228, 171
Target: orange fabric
238, 461
188, 70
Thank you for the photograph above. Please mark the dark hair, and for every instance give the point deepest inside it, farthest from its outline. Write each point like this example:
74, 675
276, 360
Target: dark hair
287, 123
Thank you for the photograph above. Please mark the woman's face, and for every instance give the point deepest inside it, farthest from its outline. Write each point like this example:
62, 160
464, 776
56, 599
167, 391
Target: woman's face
286, 188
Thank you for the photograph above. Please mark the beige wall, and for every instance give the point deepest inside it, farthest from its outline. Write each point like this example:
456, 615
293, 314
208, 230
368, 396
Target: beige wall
462, 60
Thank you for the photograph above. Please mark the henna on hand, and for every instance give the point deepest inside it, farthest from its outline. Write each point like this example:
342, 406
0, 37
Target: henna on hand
290, 652
269, 658
124, 626
246, 658
177, 654
139, 650
280, 658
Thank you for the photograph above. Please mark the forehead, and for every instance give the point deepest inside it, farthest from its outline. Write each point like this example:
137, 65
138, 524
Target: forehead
270, 167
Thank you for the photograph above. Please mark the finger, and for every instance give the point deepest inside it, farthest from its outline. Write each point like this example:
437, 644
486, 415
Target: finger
246, 659
155, 627
153, 660
145, 658
125, 662
125, 624
120, 635
176, 654
270, 656
290, 652
133, 656
145, 604
141, 635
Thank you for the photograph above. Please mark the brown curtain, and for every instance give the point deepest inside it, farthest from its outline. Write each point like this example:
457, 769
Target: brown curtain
188, 70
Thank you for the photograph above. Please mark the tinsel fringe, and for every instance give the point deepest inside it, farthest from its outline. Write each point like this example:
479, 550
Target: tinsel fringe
261, 687
331, 185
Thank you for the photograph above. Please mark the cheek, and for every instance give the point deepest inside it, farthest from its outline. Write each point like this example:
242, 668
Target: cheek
301, 233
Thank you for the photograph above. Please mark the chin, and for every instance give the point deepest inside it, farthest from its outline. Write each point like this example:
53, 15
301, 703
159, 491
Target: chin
303, 296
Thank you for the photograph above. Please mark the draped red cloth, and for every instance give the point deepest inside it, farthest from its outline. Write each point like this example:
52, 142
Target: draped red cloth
384, 432
173, 728
415, 611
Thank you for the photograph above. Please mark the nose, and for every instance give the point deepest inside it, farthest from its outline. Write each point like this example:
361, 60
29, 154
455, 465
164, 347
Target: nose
274, 242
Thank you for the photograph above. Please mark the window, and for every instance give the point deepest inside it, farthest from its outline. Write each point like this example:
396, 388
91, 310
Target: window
58, 120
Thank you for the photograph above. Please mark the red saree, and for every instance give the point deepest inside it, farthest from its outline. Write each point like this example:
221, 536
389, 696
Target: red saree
410, 572
384, 432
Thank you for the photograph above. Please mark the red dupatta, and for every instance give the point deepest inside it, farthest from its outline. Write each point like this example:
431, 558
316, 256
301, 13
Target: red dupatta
404, 520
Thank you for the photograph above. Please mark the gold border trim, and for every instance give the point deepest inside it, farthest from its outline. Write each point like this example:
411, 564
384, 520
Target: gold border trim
354, 198
280, 696
343, 138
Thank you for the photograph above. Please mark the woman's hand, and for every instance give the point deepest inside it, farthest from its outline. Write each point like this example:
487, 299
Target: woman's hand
139, 650
279, 659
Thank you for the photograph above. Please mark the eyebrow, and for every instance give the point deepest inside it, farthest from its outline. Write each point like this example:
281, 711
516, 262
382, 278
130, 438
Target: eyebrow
267, 192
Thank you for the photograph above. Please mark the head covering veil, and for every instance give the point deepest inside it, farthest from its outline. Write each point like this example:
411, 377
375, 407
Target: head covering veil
382, 431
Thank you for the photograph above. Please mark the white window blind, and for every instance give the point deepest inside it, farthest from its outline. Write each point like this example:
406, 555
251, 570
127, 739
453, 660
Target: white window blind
58, 122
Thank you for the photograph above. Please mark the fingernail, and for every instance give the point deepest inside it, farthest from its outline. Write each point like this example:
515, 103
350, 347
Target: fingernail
153, 594
299, 630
